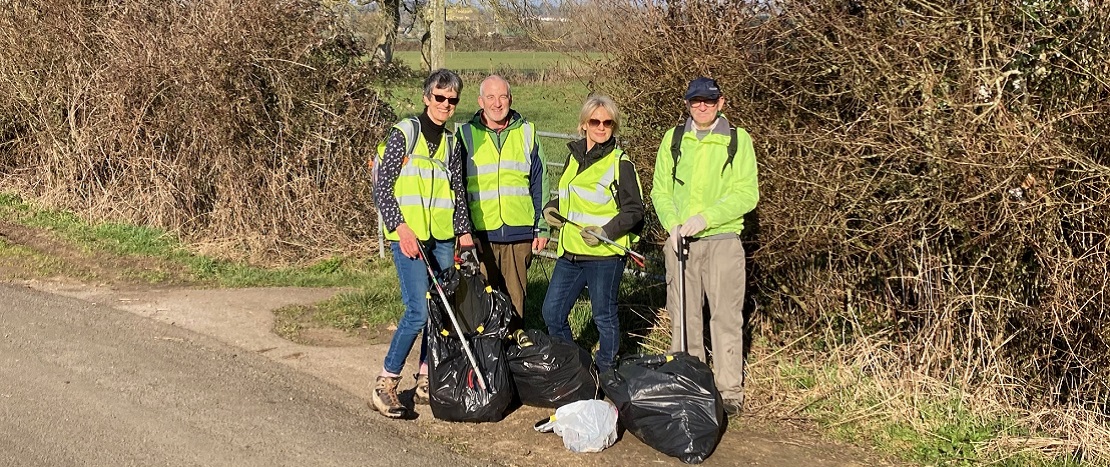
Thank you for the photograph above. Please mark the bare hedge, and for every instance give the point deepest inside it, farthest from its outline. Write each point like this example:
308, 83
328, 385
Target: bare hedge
932, 172
243, 124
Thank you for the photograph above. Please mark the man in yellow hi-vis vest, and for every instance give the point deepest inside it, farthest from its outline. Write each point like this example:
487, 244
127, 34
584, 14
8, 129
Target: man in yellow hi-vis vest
506, 187
419, 191
705, 182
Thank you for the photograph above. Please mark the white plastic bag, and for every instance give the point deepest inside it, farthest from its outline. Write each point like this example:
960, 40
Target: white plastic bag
586, 426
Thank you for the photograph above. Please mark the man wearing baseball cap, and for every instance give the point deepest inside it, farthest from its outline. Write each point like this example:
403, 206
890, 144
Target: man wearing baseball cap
705, 182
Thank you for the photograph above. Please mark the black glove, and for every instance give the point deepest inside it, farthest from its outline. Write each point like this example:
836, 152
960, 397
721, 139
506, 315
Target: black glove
468, 261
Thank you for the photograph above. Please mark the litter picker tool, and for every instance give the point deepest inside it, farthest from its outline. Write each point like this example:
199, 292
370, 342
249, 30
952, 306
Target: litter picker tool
636, 257
454, 321
683, 254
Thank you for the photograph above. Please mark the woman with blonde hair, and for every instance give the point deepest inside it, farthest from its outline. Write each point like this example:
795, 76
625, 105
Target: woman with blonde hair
600, 192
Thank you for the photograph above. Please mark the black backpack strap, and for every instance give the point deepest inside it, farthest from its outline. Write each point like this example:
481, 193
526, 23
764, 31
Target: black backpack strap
676, 150
732, 147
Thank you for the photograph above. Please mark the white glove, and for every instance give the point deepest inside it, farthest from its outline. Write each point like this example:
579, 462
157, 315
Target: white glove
693, 226
672, 240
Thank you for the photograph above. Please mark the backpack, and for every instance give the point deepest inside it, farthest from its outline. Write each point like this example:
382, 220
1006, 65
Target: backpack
676, 149
410, 127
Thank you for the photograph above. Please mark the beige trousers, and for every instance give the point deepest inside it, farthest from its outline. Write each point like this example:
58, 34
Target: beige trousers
505, 266
714, 274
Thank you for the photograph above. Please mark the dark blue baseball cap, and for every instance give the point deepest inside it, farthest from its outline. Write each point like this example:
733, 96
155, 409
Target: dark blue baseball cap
705, 88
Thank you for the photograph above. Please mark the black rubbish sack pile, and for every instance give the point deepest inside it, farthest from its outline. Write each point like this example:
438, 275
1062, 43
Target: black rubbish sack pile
550, 371
483, 315
669, 402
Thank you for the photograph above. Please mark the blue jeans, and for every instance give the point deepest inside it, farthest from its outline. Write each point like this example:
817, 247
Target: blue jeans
604, 279
413, 276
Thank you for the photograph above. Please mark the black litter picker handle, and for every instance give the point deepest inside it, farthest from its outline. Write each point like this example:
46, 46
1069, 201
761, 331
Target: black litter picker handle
636, 257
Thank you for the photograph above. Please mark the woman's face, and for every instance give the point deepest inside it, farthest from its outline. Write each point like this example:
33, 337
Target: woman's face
441, 104
599, 127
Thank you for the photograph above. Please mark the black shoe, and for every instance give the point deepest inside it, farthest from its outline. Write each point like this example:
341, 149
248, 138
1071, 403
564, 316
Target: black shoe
733, 407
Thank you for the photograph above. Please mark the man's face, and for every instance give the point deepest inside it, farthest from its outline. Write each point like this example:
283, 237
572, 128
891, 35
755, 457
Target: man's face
495, 100
704, 111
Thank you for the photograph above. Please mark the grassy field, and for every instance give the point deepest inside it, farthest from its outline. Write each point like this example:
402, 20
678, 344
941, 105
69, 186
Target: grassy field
551, 106
534, 62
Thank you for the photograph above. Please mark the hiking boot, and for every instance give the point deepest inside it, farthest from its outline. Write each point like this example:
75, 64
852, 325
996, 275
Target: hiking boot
733, 407
420, 394
385, 398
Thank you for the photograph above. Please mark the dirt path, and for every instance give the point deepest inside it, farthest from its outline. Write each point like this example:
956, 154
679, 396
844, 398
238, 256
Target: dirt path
244, 318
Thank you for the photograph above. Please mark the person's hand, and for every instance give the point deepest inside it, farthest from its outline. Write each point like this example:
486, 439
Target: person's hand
550, 218
466, 241
693, 226
672, 239
590, 234
538, 244
469, 260
410, 246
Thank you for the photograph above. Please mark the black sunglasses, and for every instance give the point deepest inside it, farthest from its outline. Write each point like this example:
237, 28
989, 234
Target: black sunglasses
595, 122
450, 100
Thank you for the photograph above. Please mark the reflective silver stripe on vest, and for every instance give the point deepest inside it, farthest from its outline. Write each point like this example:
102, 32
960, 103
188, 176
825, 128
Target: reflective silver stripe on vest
600, 194
596, 196
438, 163
417, 200
467, 131
495, 194
586, 219
484, 169
515, 165
529, 142
408, 128
412, 170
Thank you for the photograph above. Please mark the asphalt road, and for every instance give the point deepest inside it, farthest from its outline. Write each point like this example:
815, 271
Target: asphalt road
82, 384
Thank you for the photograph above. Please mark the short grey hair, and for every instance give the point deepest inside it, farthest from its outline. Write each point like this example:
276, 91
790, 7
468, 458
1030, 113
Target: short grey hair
591, 104
482, 85
442, 79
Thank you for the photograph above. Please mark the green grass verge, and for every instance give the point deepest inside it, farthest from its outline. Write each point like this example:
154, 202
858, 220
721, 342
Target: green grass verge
147, 243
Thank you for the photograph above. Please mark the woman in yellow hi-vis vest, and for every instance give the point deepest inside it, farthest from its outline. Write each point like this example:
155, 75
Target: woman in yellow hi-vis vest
419, 191
600, 193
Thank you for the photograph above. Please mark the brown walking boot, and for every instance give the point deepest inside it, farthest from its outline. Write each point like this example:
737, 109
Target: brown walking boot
385, 399
420, 394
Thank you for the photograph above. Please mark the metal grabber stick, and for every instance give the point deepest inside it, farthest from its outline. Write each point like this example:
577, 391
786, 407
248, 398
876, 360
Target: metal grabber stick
636, 257
454, 321
683, 254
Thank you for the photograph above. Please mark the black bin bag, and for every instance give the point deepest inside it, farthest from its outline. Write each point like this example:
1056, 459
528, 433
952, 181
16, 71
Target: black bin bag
483, 314
669, 402
551, 372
